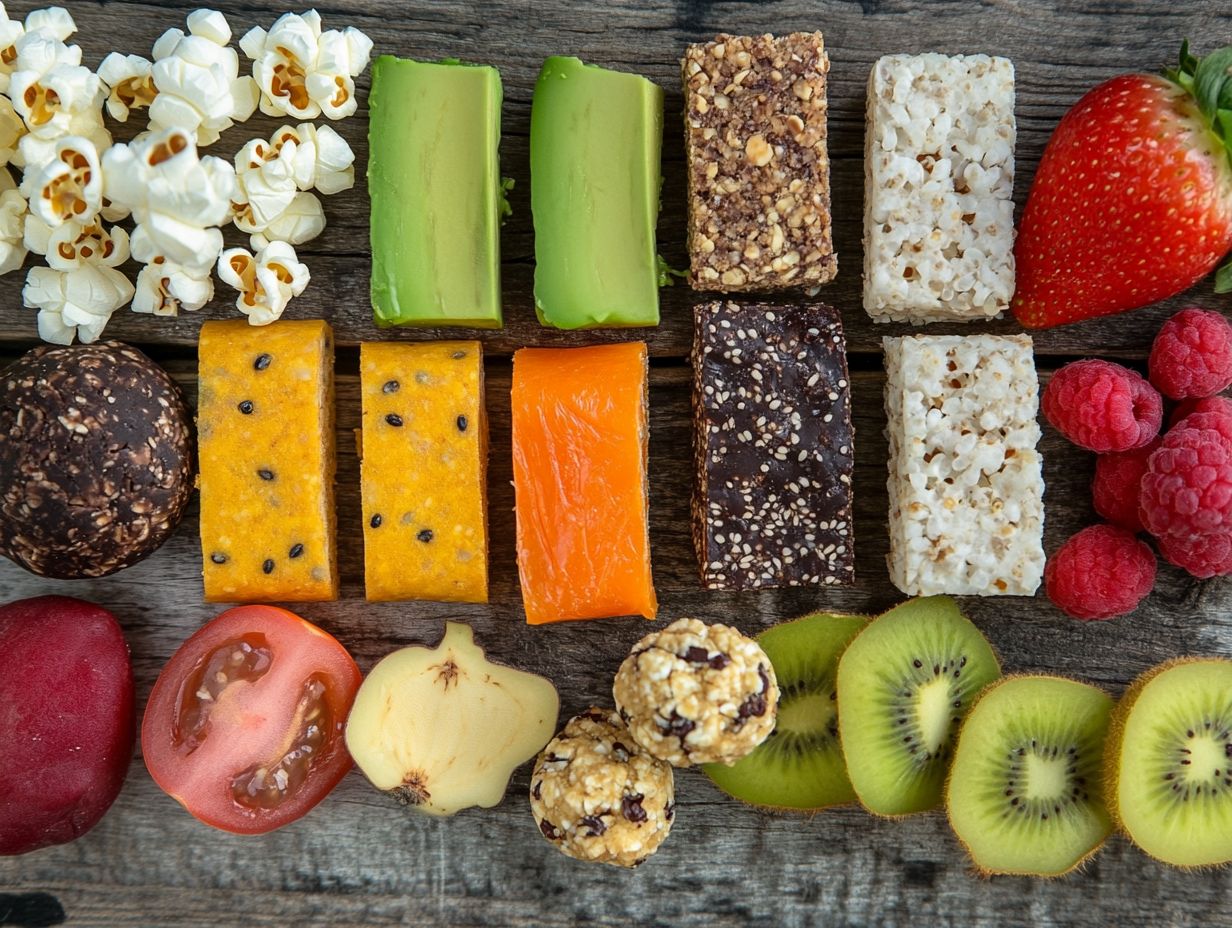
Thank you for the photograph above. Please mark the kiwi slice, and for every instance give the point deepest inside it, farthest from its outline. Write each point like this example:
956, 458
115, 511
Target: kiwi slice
1024, 794
904, 684
800, 766
1169, 762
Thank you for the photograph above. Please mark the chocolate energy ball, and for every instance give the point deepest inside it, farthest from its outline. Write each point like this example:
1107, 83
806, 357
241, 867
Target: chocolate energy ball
694, 693
96, 459
596, 795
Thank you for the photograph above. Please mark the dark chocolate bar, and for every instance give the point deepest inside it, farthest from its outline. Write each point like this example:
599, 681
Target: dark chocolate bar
773, 447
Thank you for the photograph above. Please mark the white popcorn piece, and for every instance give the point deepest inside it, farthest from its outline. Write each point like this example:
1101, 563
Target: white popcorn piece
164, 287
304, 72
54, 22
130, 84
13, 213
266, 282
34, 150
266, 184
68, 186
321, 158
49, 86
12, 129
76, 303
199, 88
965, 479
75, 244
939, 181
301, 222
177, 197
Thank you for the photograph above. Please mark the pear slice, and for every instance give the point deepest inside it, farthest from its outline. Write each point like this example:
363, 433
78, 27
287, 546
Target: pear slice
442, 729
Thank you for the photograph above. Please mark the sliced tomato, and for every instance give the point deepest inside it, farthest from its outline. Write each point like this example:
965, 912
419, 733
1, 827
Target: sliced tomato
244, 727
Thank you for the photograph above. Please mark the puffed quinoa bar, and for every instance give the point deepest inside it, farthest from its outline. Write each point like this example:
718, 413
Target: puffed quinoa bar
939, 178
759, 174
965, 484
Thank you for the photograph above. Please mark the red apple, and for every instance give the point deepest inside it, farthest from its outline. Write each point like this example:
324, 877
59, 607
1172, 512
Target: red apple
67, 719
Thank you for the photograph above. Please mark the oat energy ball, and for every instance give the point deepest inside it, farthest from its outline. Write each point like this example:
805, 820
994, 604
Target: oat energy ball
96, 459
697, 694
597, 795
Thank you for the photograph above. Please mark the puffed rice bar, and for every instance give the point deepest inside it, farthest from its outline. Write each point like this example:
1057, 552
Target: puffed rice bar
965, 485
939, 181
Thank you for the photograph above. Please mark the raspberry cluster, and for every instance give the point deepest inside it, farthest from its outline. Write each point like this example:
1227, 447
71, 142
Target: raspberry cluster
1176, 486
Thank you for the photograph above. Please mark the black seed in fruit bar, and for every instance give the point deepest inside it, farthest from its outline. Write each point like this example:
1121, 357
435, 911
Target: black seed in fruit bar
265, 473
773, 448
296, 551
458, 355
391, 386
262, 362
394, 419
462, 423
218, 557
375, 521
268, 566
246, 407
425, 536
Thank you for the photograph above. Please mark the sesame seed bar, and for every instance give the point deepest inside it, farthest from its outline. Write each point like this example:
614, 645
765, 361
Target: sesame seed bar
965, 482
759, 174
939, 177
773, 447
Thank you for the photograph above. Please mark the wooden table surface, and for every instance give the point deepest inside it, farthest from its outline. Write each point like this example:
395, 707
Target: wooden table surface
358, 858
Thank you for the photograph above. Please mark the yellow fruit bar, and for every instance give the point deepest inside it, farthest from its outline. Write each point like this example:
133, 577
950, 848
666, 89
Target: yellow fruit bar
265, 426
423, 471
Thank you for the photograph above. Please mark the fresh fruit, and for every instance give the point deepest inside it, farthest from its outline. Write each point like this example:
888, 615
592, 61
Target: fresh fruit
1115, 486
1132, 200
66, 719
904, 685
800, 766
1102, 406
1202, 556
1025, 792
1191, 357
1102, 572
1168, 767
1219, 405
442, 729
244, 724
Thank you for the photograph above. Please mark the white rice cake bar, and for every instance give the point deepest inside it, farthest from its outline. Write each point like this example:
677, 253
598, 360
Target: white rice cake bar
938, 188
966, 488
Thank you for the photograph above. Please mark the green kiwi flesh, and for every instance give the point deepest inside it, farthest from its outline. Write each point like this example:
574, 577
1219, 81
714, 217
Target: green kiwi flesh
1025, 793
1170, 763
800, 766
904, 685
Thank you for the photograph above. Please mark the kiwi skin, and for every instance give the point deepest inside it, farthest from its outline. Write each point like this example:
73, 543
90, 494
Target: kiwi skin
1116, 740
982, 871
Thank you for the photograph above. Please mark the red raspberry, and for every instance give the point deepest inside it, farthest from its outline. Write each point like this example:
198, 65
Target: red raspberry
1201, 555
1187, 488
1192, 355
1185, 408
1103, 406
1100, 573
1114, 491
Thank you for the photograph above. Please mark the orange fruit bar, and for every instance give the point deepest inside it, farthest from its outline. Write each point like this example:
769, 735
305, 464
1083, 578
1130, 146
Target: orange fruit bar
580, 442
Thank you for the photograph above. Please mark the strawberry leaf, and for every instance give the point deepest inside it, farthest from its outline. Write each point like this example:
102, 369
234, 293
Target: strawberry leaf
1213, 83
1223, 279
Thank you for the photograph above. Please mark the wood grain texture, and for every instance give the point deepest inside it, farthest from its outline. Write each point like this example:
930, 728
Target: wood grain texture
358, 859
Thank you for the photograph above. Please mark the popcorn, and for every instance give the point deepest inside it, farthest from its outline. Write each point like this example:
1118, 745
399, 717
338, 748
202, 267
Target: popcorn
266, 282
130, 83
177, 198
75, 244
321, 158
12, 129
303, 72
49, 86
267, 184
68, 186
165, 287
76, 303
54, 22
12, 222
301, 222
197, 79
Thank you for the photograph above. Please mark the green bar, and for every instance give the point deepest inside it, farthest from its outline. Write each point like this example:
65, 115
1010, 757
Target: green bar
595, 139
434, 181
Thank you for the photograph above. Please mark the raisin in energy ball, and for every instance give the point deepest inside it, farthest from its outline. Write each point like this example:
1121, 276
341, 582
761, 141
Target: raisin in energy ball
597, 796
697, 694
96, 459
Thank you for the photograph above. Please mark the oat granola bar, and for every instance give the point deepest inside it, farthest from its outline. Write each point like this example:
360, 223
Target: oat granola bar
773, 447
939, 177
759, 174
965, 483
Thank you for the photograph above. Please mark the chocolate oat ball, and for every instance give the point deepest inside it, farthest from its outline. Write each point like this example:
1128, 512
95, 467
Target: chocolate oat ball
693, 693
96, 459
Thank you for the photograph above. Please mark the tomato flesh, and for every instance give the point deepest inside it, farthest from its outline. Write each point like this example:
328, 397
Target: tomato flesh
244, 725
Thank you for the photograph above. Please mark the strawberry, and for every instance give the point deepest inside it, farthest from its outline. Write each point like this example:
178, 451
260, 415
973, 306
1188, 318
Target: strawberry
1132, 202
